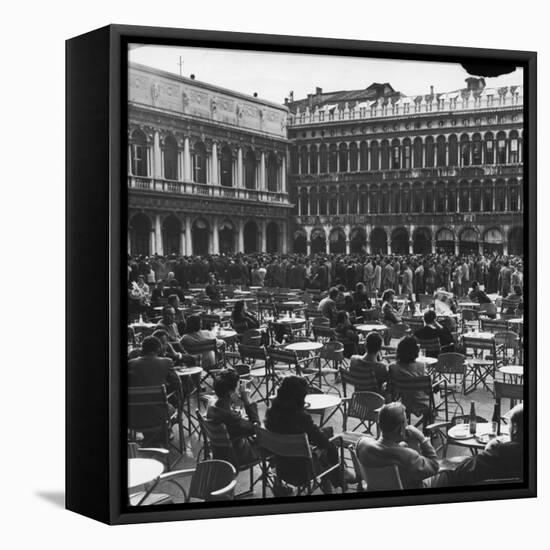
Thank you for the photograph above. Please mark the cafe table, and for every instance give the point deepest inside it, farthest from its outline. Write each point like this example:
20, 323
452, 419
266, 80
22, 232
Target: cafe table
320, 403
143, 471
518, 321
143, 325
468, 305
289, 320
460, 435
515, 372
371, 327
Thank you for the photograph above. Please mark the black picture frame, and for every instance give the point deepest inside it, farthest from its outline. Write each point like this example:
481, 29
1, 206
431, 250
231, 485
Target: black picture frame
96, 84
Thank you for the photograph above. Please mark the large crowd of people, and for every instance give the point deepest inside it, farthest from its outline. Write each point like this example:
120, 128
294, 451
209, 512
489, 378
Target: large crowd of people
347, 287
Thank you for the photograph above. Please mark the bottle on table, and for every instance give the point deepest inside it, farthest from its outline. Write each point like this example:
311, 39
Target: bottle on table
495, 421
140, 321
473, 421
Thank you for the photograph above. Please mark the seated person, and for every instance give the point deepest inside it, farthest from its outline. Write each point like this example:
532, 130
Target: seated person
168, 324
222, 411
212, 289
361, 299
241, 319
174, 288
327, 306
406, 366
498, 460
370, 362
167, 350
150, 369
345, 332
477, 295
287, 415
389, 314
516, 296
157, 293
194, 335
433, 330
399, 444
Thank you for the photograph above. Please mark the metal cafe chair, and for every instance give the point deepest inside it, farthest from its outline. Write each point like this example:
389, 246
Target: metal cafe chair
494, 325
430, 346
160, 454
481, 368
506, 390
198, 349
369, 479
450, 372
217, 445
470, 319
210, 480
505, 342
260, 370
294, 446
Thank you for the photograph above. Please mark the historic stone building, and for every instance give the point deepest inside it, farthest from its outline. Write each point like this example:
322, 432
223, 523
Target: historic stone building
207, 168
373, 170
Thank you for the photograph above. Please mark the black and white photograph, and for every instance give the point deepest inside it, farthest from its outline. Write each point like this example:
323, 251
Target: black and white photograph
325, 274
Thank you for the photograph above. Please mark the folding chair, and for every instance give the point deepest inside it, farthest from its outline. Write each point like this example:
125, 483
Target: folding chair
218, 446
481, 368
149, 414
450, 372
376, 479
508, 308
362, 406
331, 356
294, 446
505, 342
488, 309
470, 319
406, 389
198, 350
323, 333
260, 370
505, 390
431, 347
494, 325
286, 360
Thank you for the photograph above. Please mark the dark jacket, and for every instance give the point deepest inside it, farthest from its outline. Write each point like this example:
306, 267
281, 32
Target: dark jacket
443, 334
150, 370
501, 461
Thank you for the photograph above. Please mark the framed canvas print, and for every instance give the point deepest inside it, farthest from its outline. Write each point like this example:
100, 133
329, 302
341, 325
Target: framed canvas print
313, 272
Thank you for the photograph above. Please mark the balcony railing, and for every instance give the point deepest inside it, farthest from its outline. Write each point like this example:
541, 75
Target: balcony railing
479, 171
408, 109
205, 190
416, 218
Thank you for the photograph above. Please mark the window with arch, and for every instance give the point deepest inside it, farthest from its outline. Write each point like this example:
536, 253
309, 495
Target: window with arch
353, 200
323, 202
272, 169
430, 152
464, 199
395, 202
385, 155
250, 170
513, 204
363, 155
226, 166
441, 146
453, 151
489, 148
139, 154
303, 202
374, 201
333, 201
313, 201
363, 200
465, 150
304, 158
514, 148
451, 199
395, 154
343, 161
313, 160
406, 199
500, 198
384, 200
440, 197
417, 152
487, 201
342, 201
476, 197
417, 199
332, 158
353, 157
199, 162
429, 200
374, 156
323, 159
501, 148
406, 153
170, 158
476, 150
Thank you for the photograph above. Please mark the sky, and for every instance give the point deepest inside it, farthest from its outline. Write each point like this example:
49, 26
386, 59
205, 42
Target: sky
273, 75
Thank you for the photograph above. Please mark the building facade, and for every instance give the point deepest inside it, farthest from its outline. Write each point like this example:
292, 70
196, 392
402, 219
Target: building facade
207, 168
373, 170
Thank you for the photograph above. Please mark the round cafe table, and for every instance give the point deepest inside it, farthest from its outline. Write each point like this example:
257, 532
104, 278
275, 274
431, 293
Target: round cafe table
515, 372
468, 305
243, 292
142, 471
196, 289
480, 335
518, 321
371, 327
226, 334
304, 346
289, 320
143, 325
460, 435
292, 303
428, 361
319, 403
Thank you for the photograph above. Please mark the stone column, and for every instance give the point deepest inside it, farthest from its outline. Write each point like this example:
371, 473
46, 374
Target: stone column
411, 245
262, 172
187, 169
215, 236
423, 154
181, 173
348, 246
152, 243
457, 248
158, 235
214, 160
129, 242
188, 239
433, 246
284, 238
240, 242
283, 174
182, 242
263, 235
129, 160
369, 160
157, 164
240, 168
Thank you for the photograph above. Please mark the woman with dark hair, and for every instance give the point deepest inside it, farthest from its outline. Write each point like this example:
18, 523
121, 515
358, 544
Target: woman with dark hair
361, 300
223, 411
406, 366
241, 319
345, 333
288, 415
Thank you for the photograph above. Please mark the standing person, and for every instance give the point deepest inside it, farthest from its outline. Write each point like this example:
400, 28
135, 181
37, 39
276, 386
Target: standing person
388, 276
407, 285
517, 277
419, 280
429, 279
377, 279
505, 279
457, 280
368, 275
465, 277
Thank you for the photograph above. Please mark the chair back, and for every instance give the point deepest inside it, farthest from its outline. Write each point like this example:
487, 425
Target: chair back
478, 343
283, 445
399, 330
242, 370
505, 390
493, 325
211, 476
333, 351
278, 355
508, 307
217, 443
198, 348
323, 333
147, 407
508, 339
431, 346
364, 405
469, 315
313, 314
377, 479
251, 354
365, 382
414, 323
252, 337
209, 320
450, 363
425, 300
488, 309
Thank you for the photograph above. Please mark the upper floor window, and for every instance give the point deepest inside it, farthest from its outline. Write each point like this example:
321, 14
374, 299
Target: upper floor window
139, 154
